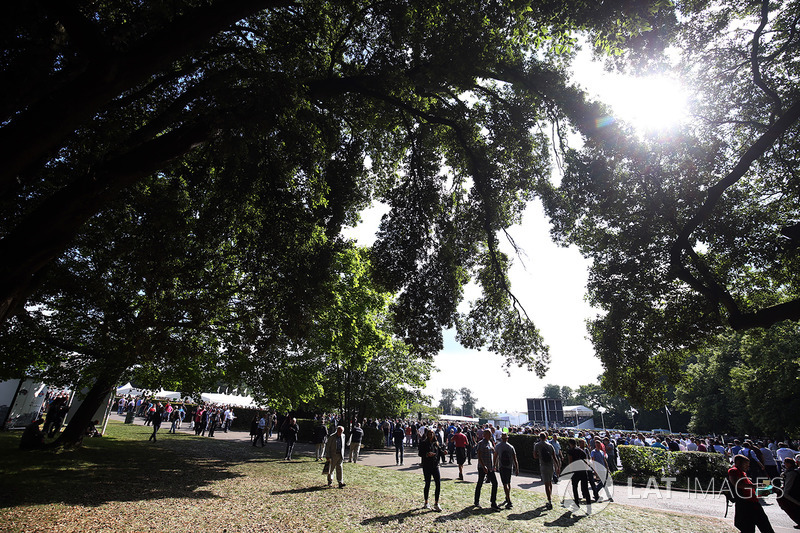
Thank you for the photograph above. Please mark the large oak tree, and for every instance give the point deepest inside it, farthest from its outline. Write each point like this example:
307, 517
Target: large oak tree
271, 124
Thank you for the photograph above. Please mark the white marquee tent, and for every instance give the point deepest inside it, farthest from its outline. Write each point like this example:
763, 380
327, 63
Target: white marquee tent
208, 397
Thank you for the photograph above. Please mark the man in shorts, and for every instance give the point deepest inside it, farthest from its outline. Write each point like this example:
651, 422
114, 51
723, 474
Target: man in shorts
461, 442
505, 460
549, 465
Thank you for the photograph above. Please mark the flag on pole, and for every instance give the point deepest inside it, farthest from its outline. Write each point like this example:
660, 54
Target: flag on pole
667, 410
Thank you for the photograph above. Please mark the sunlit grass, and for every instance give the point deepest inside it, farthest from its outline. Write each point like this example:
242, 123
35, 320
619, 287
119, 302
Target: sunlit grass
186, 484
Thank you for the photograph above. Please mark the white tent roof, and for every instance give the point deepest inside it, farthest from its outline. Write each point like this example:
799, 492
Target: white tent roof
161, 394
229, 399
455, 418
581, 410
209, 397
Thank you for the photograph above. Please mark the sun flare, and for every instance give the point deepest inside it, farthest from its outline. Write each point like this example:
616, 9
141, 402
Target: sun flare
649, 104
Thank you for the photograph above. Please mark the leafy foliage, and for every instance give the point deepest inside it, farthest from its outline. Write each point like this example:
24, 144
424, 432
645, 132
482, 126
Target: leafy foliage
693, 232
693, 470
728, 384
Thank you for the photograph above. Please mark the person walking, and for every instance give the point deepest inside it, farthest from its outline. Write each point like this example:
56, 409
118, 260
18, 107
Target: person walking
334, 454
356, 437
290, 435
486, 457
600, 468
748, 511
461, 442
398, 435
429, 450
505, 462
156, 421
579, 475
549, 465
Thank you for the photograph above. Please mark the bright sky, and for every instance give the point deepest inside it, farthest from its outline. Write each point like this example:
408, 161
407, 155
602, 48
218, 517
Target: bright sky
550, 281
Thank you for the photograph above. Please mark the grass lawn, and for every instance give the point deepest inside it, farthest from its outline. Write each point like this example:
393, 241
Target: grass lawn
184, 483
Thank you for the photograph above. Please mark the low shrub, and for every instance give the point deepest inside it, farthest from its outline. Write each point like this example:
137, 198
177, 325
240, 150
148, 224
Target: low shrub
373, 439
640, 463
305, 429
691, 468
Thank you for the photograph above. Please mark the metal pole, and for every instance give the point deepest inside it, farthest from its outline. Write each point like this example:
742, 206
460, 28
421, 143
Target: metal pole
669, 424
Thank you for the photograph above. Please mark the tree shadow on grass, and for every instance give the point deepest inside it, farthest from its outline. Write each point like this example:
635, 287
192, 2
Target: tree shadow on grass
397, 517
301, 490
565, 520
112, 469
529, 515
462, 514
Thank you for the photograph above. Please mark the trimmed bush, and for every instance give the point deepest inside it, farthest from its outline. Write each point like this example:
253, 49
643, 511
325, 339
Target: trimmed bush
640, 463
643, 462
700, 466
524, 443
305, 429
374, 439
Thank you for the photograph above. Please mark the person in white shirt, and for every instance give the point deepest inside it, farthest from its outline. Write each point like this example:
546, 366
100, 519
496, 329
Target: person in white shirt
784, 451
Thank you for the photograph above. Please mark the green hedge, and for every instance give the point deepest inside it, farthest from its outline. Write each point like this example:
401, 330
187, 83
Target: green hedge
374, 439
523, 444
640, 463
702, 466
305, 429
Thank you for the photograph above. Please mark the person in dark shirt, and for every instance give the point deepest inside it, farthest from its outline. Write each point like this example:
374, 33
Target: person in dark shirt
398, 435
355, 442
429, 450
33, 437
579, 472
290, 435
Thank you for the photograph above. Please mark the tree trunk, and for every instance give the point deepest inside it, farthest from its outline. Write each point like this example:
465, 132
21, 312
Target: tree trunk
73, 433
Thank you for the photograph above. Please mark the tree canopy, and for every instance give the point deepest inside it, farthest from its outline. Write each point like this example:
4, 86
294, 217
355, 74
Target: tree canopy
176, 175
693, 232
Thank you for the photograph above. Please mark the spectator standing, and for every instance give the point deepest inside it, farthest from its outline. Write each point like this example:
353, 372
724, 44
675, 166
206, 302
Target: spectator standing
549, 465
320, 437
770, 465
789, 497
460, 441
748, 511
429, 451
398, 435
260, 424
486, 453
355, 442
507, 464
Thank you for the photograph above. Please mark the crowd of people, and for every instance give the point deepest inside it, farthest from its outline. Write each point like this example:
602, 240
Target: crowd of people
204, 419
589, 458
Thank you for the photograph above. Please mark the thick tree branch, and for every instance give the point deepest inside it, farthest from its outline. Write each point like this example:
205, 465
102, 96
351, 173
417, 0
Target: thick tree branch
754, 59
707, 285
47, 230
38, 131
